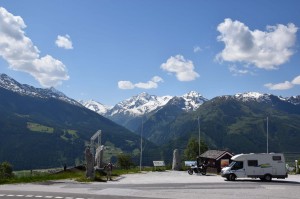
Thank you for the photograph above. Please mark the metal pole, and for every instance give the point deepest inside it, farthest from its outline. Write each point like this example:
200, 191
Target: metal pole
199, 135
141, 154
267, 134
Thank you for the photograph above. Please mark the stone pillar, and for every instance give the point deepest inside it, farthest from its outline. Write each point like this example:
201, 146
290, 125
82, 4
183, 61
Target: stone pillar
90, 172
176, 161
99, 157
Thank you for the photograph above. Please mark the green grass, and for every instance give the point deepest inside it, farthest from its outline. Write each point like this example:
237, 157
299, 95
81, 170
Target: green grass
39, 128
27, 177
69, 134
74, 174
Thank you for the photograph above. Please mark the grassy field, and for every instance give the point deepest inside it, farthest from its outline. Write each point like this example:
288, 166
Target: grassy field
41, 176
69, 134
39, 128
73, 174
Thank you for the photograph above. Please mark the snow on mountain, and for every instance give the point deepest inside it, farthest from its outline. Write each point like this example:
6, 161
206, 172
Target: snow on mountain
96, 106
139, 105
193, 101
9, 83
294, 100
253, 96
144, 103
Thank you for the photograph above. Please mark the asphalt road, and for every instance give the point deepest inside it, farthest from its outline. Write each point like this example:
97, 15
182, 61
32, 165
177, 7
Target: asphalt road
168, 184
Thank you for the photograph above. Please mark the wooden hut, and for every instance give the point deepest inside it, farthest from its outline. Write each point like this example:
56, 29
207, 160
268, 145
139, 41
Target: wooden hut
216, 160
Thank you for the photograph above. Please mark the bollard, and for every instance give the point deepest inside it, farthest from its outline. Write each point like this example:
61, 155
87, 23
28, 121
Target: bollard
297, 167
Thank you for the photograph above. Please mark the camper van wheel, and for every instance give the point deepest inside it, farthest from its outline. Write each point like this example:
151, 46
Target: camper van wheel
232, 177
268, 177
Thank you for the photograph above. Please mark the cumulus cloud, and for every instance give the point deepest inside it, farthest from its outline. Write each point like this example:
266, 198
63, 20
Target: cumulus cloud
21, 55
64, 42
236, 71
285, 85
296, 80
153, 83
264, 49
280, 86
125, 85
197, 49
184, 69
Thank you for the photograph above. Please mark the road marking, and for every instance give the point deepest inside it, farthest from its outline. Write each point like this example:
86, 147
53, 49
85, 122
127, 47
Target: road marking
38, 196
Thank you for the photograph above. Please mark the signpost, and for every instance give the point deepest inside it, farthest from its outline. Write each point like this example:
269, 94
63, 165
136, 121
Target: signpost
159, 164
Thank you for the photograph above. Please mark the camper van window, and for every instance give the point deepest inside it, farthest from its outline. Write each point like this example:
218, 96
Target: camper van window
276, 158
252, 163
237, 166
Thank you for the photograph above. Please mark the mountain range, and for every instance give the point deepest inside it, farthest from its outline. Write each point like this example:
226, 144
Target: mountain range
42, 128
233, 122
130, 112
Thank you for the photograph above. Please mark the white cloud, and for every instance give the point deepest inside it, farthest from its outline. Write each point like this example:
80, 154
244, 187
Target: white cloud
264, 49
296, 80
125, 85
157, 79
64, 42
280, 86
285, 85
197, 49
20, 53
236, 71
184, 69
153, 83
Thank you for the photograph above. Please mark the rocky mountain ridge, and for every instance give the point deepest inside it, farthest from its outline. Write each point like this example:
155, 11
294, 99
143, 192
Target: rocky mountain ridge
9, 83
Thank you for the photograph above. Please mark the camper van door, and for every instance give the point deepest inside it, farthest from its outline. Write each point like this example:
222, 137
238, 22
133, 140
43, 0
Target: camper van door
239, 169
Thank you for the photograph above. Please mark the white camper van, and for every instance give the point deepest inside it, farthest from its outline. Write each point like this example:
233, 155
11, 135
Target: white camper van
264, 166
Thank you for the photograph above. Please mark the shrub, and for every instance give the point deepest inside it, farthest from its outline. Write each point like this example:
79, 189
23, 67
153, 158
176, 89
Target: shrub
6, 170
124, 161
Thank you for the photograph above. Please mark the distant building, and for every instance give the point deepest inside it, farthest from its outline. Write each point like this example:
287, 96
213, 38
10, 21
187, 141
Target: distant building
216, 160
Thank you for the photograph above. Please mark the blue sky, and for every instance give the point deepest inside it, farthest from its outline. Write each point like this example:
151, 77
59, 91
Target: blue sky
110, 50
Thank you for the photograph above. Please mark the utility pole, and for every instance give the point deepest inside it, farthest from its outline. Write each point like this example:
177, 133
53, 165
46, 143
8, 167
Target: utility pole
199, 135
267, 134
141, 154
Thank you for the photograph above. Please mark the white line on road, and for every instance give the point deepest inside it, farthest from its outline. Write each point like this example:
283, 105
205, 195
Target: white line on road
38, 196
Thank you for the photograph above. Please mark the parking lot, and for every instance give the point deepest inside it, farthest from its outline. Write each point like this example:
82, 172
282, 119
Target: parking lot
167, 184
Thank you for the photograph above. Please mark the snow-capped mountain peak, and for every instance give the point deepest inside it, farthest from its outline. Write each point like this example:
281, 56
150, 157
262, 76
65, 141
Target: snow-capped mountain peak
294, 100
193, 100
145, 103
9, 83
139, 104
252, 96
96, 106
